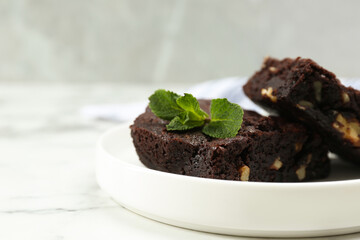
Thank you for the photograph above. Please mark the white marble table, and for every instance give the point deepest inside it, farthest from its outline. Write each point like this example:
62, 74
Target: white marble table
47, 183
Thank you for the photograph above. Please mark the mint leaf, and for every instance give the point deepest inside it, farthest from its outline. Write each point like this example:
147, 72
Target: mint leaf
184, 122
163, 104
191, 105
192, 116
184, 113
226, 119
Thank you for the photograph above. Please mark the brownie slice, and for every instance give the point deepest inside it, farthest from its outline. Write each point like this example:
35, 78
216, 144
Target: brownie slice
302, 90
267, 149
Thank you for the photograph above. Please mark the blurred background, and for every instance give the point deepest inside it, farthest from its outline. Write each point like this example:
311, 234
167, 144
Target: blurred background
156, 41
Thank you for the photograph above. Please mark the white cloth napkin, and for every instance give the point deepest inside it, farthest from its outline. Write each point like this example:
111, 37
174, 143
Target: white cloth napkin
230, 88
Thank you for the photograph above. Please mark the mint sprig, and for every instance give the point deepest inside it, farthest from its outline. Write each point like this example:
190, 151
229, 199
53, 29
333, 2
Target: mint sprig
184, 113
191, 117
163, 104
226, 119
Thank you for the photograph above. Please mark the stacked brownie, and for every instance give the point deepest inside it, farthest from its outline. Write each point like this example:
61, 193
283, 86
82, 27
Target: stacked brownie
301, 90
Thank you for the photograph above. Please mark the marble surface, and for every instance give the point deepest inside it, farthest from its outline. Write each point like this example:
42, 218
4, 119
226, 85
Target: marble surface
47, 150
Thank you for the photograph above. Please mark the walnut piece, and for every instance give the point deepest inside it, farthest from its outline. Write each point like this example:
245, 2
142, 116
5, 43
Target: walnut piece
269, 93
273, 69
345, 97
308, 159
317, 90
298, 146
349, 128
277, 164
244, 173
300, 107
304, 104
301, 172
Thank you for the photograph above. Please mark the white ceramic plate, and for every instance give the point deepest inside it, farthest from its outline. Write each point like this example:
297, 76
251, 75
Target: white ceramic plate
330, 207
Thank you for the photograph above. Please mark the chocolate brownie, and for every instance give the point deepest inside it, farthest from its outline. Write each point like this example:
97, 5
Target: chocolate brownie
267, 149
302, 90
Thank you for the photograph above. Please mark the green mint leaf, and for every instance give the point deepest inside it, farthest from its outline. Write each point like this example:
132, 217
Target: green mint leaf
184, 122
191, 105
226, 119
163, 104
184, 113
192, 116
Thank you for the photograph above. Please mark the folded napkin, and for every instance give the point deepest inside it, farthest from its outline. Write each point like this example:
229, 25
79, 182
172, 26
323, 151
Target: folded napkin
230, 88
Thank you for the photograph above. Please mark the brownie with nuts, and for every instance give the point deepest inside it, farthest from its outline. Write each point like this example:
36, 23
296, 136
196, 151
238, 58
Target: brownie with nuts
302, 90
267, 149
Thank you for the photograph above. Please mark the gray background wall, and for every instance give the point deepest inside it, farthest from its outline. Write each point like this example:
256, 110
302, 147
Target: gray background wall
171, 40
